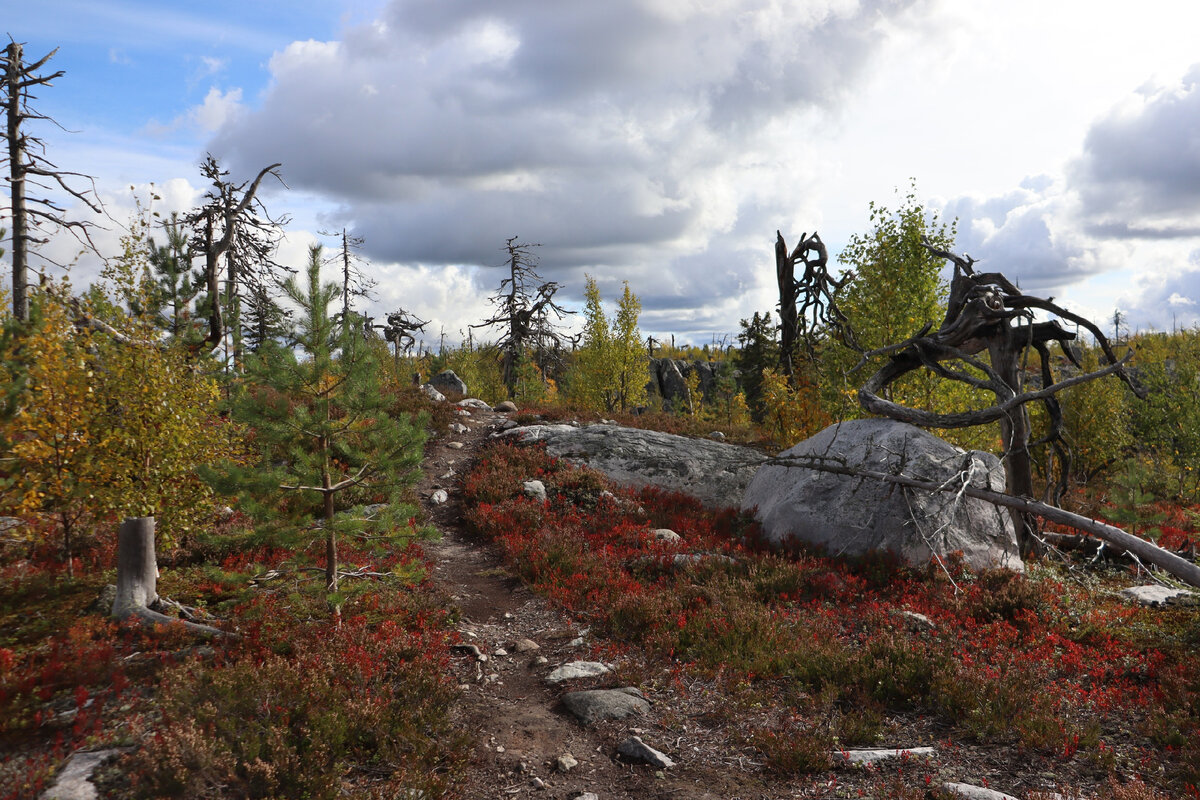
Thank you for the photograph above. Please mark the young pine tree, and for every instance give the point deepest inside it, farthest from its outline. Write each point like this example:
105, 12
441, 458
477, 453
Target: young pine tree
320, 421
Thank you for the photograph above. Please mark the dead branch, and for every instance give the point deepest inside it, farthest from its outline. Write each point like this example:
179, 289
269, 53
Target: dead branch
1181, 568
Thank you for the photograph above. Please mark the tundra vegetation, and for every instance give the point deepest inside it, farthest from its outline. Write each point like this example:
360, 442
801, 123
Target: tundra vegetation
273, 433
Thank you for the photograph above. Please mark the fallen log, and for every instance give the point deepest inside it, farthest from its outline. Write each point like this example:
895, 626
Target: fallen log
1149, 552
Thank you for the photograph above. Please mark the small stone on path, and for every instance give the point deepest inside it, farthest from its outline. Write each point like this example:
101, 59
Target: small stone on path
439, 497
566, 762
875, 755
970, 792
455, 445
635, 749
577, 669
594, 705
526, 646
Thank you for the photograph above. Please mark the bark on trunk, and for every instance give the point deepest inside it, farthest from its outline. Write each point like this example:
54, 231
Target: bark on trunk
137, 578
16, 177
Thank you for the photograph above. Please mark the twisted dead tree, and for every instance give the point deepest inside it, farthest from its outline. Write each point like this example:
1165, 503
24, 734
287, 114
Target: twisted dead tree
526, 314
807, 305
400, 330
987, 313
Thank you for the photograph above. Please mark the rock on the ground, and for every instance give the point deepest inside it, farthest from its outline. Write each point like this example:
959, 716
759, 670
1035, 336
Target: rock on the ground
432, 393
1155, 595
594, 705
454, 445
566, 762
587, 796
75, 780
847, 515
439, 496
447, 381
577, 669
526, 646
535, 489
665, 535
971, 792
506, 407
635, 749
876, 754
473, 402
457, 427
713, 472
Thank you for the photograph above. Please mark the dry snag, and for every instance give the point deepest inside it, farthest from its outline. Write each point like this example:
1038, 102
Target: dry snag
987, 313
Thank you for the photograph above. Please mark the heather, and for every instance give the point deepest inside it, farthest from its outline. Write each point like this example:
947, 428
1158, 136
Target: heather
807, 655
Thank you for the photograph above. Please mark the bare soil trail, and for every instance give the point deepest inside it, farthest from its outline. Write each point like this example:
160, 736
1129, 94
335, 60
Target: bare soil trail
518, 727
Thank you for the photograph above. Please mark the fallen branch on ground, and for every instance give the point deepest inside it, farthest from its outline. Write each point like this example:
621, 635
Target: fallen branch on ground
1181, 568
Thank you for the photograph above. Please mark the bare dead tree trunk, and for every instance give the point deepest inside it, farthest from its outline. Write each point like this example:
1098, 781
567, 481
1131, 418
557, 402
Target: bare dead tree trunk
137, 567
16, 180
137, 578
27, 165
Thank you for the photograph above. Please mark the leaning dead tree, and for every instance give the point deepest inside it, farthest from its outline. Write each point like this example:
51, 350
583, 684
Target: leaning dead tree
29, 168
806, 304
986, 340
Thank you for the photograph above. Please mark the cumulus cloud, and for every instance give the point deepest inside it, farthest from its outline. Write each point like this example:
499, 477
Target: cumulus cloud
1031, 235
217, 110
1139, 176
629, 136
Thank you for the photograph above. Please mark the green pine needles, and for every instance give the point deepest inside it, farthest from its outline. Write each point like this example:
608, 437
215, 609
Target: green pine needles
324, 439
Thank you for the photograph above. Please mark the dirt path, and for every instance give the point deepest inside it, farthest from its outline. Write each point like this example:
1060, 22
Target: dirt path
516, 721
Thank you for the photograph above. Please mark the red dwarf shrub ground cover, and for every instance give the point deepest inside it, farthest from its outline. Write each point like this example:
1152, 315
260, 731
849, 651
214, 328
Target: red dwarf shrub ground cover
304, 703
817, 654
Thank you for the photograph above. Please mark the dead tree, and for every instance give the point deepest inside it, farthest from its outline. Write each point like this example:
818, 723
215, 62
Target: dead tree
806, 306
29, 167
137, 580
986, 313
231, 227
526, 314
355, 282
400, 330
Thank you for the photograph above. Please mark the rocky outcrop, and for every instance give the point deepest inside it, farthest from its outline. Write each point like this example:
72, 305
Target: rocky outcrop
847, 515
713, 472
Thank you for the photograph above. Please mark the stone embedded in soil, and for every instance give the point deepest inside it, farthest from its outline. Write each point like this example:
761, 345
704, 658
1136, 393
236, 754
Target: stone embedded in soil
587, 796
1155, 595
457, 427
439, 497
535, 489
75, 780
914, 621
594, 705
566, 762
875, 755
971, 792
635, 749
526, 646
576, 669
664, 535
455, 445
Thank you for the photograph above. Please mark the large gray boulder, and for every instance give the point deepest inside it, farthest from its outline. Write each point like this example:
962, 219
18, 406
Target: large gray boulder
846, 515
714, 472
447, 381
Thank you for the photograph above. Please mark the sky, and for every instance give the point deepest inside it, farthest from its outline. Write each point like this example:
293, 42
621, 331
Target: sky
659, 142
